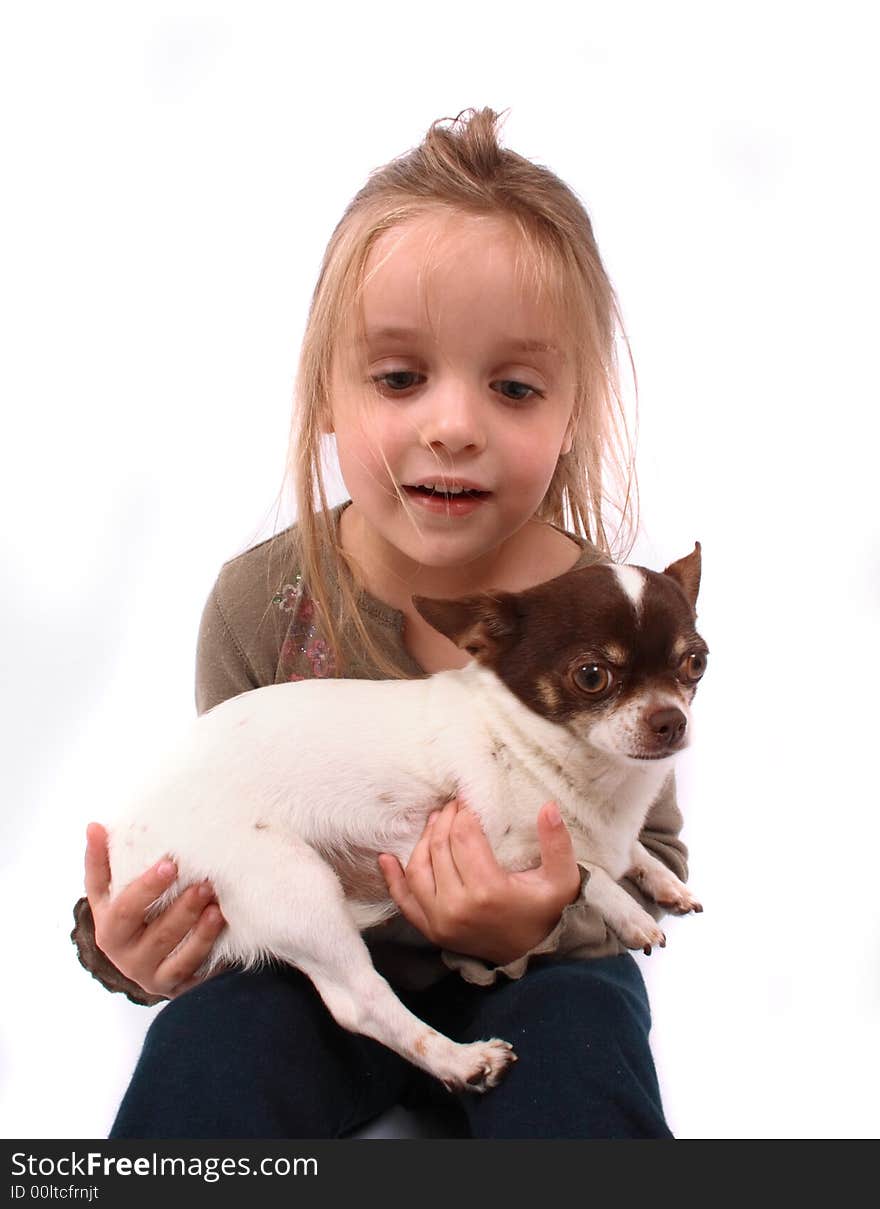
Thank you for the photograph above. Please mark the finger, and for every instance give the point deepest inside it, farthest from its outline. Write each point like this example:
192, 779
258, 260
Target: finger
419, 870
471, 850
178, 972
557, 852
195, 981
400, 890
447, 877
97, 864
124, 918
392, 871
163, 934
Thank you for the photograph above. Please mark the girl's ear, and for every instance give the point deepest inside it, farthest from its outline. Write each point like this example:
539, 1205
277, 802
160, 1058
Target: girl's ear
568, 439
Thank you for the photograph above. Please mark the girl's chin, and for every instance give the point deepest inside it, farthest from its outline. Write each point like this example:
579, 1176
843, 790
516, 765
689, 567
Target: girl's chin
433, 537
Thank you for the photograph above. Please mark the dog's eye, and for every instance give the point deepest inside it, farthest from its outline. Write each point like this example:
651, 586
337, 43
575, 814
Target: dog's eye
693, 667
593, 678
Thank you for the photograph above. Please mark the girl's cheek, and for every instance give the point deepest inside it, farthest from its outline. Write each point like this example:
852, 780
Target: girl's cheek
531, 455
388, 440
374, 439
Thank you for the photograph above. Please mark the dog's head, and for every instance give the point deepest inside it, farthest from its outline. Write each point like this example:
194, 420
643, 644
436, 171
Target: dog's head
611, 652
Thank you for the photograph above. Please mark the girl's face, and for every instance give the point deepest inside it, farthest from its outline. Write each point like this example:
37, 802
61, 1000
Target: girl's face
466, 389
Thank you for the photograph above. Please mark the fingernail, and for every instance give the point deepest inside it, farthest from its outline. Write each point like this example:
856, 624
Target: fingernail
554, 818
166, 869
205, 891
432, 817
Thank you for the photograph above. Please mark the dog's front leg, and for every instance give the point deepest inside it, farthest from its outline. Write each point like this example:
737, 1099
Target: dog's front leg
660, 883
632, 923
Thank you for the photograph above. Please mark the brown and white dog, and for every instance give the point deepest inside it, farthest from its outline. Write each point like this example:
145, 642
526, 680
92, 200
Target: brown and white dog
578, 691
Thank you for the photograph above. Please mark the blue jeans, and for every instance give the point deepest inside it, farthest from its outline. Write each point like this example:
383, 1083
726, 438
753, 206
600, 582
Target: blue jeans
257, 1055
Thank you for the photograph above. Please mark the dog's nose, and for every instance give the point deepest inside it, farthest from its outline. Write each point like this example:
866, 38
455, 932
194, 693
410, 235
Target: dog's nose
668, 725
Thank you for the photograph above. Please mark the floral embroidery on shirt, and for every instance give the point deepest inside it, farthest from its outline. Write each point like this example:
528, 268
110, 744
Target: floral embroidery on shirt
303, 637
289, 595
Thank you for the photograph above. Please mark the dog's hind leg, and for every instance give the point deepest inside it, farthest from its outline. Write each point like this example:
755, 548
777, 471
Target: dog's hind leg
361, 1000
307, 923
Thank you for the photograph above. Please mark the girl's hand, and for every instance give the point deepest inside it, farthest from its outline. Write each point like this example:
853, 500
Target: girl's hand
456, 893
143, 951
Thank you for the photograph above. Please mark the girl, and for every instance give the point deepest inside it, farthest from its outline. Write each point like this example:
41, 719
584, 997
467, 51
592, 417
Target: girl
461, 334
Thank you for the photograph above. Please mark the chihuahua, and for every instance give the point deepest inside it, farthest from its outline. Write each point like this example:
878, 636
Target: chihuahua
578, 690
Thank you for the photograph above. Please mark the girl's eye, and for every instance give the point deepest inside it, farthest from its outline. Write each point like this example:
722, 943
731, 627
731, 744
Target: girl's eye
400, 380
518, 398
392, 380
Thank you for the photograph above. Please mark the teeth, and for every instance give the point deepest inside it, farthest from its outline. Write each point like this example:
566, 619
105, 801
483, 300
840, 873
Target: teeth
447, 490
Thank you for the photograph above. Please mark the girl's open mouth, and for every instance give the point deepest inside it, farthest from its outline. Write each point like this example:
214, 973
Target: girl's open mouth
458, 503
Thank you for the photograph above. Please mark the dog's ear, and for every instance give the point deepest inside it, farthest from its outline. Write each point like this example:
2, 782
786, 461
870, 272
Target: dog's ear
686, 573
482, 625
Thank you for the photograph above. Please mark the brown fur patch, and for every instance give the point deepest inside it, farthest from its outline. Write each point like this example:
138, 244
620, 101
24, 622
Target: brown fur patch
421, 1043
359, 874
582, 617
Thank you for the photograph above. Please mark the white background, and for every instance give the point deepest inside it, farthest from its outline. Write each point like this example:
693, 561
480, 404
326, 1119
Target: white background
172, 174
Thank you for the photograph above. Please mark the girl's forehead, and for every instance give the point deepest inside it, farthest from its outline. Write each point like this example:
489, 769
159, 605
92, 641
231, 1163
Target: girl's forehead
451, 270
431, 243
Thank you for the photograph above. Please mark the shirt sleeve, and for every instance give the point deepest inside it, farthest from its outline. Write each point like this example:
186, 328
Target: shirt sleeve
223, 668
581, 931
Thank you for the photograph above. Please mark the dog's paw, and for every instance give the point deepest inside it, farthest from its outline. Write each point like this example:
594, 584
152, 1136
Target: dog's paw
680, 901
667, 891
481, 1065
642, 932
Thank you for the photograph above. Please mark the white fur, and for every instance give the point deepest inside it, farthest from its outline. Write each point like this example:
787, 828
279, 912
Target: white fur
271, 789
632, 581
621, 732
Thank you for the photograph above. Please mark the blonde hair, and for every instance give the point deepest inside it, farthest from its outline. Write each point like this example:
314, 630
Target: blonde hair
461, 168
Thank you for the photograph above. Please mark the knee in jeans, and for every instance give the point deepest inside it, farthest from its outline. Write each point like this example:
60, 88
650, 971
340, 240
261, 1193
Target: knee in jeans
581, 994
236, 1004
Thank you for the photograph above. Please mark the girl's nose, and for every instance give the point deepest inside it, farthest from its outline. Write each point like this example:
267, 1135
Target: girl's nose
453, 419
